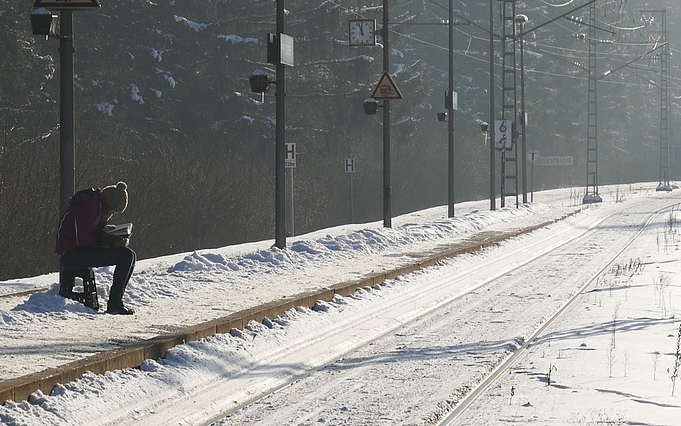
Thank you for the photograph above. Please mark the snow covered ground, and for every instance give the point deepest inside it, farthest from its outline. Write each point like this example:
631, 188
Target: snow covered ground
615, 358
612, 360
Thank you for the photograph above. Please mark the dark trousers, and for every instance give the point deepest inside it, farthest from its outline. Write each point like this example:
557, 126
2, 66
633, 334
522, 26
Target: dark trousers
90, 256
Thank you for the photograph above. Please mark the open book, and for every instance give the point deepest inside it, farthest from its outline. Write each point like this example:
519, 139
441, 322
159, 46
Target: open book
122, 230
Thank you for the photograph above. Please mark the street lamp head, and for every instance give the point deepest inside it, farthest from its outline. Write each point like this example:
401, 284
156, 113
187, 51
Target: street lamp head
520, 18
260, 82
44, 23
484, 127
370, 106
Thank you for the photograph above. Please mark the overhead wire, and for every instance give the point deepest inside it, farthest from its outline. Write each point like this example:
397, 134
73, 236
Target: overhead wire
471, 37
470, 54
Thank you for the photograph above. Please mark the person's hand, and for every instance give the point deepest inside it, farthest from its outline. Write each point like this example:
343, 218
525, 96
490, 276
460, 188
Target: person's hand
119, 241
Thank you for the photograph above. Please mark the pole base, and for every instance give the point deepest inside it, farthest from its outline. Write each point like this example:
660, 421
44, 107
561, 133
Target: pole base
591, 199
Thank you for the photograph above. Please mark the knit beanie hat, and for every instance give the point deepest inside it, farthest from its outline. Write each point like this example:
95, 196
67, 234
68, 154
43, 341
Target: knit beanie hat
116, 196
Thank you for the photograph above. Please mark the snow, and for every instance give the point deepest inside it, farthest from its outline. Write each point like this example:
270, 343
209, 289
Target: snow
236, 39
196, 26
157, 54
106, 108
135, 94
611, 359
170, 79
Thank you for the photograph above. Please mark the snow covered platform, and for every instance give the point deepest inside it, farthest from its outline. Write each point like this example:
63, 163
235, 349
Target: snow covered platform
46, 340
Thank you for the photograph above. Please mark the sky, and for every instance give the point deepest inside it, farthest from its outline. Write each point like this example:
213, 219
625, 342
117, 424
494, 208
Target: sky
610, 358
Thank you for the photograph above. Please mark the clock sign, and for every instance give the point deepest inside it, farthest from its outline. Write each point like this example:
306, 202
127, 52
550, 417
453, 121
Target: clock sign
362, 32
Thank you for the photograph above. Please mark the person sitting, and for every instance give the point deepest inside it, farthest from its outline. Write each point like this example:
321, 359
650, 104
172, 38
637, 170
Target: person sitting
82, 241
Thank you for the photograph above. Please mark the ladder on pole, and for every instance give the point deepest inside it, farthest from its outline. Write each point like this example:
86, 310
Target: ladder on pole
509, 157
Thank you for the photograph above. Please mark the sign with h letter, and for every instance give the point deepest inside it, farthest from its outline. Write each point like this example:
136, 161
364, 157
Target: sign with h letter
290, 158
349, 165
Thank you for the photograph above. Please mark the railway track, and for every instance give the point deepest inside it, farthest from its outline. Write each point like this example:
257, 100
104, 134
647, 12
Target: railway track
473, 380
502, 369
23, 293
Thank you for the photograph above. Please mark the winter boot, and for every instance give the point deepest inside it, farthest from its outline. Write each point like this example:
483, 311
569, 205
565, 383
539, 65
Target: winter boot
115, 304
67, 279
119, 310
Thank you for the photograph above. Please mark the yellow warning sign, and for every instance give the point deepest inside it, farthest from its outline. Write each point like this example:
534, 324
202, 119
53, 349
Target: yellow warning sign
386, 89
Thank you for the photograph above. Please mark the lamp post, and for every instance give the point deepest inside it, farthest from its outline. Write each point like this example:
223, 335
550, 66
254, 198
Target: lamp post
492, 153
383, 92
387, 190
280, 53
449, 104
43, 23
521, 19
280, 143
67, 138
448, 115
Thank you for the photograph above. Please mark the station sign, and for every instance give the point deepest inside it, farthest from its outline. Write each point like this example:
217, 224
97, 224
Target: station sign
556, 161
280, 49
290, 158
349, 165
503, 134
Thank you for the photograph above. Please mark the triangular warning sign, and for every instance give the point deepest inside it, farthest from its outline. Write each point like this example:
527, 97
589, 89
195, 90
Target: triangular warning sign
386, 89
67, 4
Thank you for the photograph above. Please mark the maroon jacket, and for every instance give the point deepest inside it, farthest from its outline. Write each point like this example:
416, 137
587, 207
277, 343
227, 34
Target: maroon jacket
87, 213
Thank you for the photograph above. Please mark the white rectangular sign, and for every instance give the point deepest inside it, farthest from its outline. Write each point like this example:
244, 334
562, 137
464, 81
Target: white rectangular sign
555, 161
349, 165
290, 158
503, 134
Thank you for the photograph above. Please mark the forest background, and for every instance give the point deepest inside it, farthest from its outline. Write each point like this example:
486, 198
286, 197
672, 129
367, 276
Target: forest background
163, 102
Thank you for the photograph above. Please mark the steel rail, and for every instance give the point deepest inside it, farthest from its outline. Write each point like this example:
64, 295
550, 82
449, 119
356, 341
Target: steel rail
467, 402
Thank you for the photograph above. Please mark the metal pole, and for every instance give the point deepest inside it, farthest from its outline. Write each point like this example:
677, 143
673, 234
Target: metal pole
387, 191
532, 181
492, 160
523, 116
503, 176
450, 106
280, 142
67, 150
293, 220
352, 201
